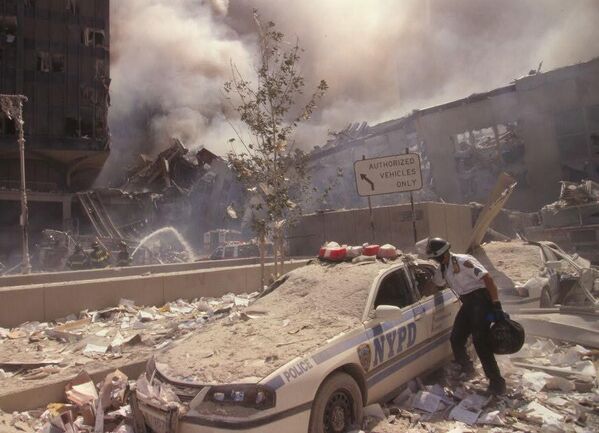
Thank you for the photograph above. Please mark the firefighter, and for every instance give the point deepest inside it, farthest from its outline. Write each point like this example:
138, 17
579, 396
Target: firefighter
78, 260
99, 256
480, 307
123, 258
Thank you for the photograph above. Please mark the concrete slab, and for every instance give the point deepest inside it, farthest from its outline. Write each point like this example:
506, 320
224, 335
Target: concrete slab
580, 328
24, 304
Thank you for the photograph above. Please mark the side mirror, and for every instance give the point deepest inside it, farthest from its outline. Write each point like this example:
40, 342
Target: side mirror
387, 312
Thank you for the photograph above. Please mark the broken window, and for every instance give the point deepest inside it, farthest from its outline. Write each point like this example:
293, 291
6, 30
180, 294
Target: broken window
93, 37
101, 71
88, 94
57, 62
395, 291
100, 123
7, 126
480, 155
71, 127
43, 61
8, 28
87, 124
72, 6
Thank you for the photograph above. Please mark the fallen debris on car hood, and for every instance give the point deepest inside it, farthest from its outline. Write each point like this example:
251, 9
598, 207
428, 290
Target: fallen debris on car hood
315, 303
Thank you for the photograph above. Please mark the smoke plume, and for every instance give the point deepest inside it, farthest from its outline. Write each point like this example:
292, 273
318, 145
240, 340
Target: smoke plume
381, 59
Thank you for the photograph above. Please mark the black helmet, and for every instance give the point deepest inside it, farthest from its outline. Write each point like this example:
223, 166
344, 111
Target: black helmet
96, 244
436, 247
507, 337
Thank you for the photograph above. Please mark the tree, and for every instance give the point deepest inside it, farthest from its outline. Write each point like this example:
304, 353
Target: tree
269, 164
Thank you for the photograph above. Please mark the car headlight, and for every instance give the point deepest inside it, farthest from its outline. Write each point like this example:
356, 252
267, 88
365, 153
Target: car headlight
253, 396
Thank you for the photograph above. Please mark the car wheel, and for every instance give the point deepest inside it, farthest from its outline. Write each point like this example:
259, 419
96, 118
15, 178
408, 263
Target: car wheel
545, 299
337, 407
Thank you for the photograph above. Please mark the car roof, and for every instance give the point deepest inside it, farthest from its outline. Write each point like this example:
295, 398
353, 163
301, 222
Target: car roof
315, 303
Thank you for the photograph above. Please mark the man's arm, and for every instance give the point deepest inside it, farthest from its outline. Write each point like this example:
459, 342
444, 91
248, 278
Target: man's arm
491, 287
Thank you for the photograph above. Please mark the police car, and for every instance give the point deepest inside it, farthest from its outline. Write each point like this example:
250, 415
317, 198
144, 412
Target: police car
378, 326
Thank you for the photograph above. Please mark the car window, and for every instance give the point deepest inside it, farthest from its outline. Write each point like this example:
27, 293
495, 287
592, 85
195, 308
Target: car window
229, 252
395, 290
423, 276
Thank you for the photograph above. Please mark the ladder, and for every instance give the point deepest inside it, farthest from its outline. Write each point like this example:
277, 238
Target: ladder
96, 212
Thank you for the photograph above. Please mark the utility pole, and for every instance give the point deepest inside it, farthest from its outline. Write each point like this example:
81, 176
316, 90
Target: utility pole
12, 107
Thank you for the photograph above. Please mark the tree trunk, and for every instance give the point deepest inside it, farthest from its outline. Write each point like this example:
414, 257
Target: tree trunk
275, 247
262, 254
282, 250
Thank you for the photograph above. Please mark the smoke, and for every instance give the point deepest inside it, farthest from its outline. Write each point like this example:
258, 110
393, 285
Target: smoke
381, 59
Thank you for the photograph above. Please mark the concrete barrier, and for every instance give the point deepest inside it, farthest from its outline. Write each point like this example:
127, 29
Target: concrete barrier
392, 224
93, 274
46, 302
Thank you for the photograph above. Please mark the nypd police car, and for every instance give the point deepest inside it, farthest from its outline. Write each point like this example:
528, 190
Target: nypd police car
318, 346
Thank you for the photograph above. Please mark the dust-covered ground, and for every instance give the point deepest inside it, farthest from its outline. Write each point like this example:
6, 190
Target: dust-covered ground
316, 303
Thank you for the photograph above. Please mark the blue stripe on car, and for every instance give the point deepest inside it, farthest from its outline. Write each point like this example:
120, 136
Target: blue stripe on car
405, 360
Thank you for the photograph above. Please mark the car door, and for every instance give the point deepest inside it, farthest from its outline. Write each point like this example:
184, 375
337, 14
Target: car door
441, 305
398, 326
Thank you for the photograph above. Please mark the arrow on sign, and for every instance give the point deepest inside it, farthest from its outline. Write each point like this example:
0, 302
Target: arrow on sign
365, 178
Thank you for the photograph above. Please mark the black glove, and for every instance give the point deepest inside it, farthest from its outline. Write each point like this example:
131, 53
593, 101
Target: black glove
498, 313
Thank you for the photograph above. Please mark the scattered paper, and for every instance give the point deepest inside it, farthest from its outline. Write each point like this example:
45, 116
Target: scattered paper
462, 413
427, 401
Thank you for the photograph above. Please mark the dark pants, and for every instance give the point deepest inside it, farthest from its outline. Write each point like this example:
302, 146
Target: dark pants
471, 320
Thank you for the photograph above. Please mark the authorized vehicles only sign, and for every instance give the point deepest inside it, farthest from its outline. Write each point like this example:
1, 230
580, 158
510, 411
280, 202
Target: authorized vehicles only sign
389, 174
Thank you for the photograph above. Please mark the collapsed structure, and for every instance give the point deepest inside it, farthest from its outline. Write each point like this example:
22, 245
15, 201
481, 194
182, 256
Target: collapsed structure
541, 129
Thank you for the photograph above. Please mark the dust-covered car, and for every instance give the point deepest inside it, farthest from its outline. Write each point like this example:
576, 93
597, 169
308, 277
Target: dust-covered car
318, 346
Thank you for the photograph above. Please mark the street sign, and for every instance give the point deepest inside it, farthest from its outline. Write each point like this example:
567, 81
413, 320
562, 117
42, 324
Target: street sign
389, 174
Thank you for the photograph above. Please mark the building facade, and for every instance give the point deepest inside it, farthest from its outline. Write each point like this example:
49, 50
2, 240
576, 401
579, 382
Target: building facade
541, 129
57, 54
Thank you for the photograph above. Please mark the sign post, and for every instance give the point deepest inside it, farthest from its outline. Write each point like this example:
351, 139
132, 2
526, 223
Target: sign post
388, 175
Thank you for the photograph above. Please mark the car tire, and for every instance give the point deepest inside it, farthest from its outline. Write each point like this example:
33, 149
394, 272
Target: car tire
337, 407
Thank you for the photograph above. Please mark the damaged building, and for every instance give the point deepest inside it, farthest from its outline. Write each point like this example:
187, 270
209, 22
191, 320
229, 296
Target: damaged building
57, 54
541, 129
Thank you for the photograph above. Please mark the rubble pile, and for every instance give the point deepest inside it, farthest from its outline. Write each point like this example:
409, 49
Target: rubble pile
575, 194
551, 388
36, 352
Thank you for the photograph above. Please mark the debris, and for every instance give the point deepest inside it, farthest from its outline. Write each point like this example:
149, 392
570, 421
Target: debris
375, 411
427, 401
463, 413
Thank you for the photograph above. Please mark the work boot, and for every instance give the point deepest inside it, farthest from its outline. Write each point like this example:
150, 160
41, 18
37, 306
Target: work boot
497, 387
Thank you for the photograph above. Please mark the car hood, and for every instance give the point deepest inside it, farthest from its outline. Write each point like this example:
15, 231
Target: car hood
315, 304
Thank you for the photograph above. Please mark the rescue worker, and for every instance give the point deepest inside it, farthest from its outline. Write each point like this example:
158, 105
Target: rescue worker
78, 260
123, 258
99, 256
480, 306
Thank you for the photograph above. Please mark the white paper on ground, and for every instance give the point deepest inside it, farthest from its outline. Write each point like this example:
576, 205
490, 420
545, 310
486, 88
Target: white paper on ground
538, 410
535, 379
491, 418
91, 349
463, 414
475, 402
426, 401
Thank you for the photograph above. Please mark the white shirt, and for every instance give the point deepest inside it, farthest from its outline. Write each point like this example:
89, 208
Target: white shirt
463, 274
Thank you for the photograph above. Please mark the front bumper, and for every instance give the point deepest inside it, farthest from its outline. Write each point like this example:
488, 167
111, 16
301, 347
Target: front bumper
160, 420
